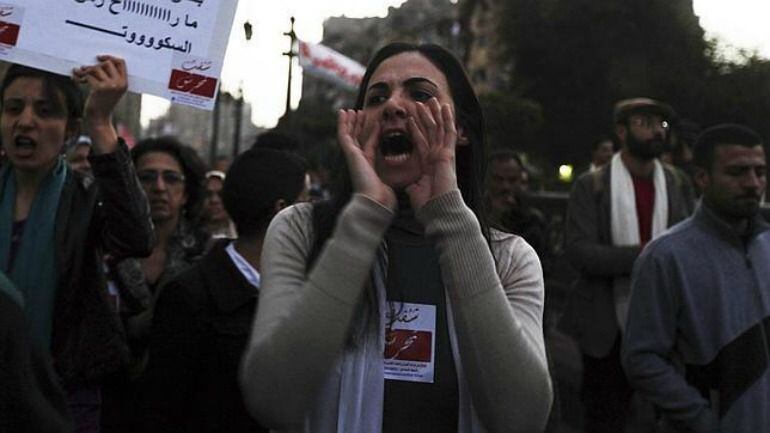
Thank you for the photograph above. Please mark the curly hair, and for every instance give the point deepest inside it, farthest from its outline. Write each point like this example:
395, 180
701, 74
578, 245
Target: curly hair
192, 166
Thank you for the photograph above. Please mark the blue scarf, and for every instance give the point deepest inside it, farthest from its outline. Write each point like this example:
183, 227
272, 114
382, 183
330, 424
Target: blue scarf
7, 287
34, 268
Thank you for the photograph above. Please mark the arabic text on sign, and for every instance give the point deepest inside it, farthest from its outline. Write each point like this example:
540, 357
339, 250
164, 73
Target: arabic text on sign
138, 39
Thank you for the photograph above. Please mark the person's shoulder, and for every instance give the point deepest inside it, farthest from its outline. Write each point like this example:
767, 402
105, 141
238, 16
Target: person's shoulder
298, 215
296, 212
509, 247
674, 240
294, 223
587, 176
592, 180
672, 169
188, 287
516, 261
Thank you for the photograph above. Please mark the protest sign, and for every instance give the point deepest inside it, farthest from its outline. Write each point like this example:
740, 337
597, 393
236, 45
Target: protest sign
173, 48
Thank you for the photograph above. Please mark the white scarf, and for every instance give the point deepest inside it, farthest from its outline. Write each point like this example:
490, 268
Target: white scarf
351, 400
625, 224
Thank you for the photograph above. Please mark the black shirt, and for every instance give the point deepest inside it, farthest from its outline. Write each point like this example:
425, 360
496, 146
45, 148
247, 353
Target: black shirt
414, 276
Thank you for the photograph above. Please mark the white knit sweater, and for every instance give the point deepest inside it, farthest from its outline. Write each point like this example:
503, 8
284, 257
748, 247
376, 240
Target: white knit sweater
304, 318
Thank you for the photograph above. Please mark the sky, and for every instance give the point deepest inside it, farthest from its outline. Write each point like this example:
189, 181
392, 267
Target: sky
739, 23
259, 68
258, 65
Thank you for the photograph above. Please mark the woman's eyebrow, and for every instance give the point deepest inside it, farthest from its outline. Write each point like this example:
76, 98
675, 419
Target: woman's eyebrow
419, 80
378, 85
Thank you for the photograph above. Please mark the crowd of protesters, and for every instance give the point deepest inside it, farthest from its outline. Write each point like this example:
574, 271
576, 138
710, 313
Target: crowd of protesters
141, 291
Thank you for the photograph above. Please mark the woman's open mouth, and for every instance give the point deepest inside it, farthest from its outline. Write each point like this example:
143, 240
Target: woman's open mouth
395, 147
24, 146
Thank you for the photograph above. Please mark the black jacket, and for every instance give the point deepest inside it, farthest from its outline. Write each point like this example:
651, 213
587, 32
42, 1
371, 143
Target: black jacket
107, 214
201, 326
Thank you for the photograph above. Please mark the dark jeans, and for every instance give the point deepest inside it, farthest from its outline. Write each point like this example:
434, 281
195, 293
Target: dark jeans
606, 393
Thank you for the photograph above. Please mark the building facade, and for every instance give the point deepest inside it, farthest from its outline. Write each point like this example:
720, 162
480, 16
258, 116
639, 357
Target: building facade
195, 127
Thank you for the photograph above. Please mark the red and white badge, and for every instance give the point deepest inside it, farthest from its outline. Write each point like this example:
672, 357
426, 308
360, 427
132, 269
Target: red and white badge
410, 342
193, 81
11, 17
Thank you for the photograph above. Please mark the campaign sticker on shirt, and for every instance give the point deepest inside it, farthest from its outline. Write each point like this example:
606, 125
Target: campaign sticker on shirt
410, 342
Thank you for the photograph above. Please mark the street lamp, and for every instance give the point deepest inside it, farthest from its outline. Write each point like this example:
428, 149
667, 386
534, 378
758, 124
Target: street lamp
291, 54
247, 30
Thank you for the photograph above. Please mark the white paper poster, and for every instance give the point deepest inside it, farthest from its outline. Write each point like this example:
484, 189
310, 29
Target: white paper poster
173, 48
410, 342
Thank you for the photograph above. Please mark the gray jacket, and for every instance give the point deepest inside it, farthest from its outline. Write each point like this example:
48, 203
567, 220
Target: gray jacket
590, 313
696, 341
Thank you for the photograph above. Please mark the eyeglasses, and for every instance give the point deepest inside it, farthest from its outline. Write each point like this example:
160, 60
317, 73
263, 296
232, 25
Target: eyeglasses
170, 177
649, 121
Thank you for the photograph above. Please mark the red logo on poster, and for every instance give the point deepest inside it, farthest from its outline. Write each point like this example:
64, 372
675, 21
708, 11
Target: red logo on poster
195, 84
9, 33
408, 345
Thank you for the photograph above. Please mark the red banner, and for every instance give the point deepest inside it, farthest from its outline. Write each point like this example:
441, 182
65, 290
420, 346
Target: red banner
408, 345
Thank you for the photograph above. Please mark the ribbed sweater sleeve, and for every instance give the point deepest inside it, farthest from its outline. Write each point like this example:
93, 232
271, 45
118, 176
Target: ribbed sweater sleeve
303, 319
497, 314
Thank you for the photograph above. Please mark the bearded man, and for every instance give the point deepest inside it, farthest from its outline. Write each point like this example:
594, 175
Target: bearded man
612, 213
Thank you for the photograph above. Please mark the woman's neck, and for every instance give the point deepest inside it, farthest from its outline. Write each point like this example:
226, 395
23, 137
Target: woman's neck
217, 225
164, 230
27, 185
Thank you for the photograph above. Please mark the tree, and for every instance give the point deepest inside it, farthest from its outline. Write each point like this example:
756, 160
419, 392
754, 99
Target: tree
577, 57
512, 122
739, 92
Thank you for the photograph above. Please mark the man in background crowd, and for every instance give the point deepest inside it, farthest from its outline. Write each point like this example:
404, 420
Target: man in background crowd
506, 200
696, 338
601, 153
612, 213
204, 317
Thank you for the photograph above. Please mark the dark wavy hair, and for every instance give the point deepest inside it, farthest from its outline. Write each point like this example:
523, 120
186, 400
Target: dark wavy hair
470, 159
192, 166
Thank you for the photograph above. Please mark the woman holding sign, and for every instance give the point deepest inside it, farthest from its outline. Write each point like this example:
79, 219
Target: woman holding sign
56, 225
393, 307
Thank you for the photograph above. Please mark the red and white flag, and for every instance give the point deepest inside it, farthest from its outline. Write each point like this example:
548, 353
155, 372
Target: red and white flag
328, 64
